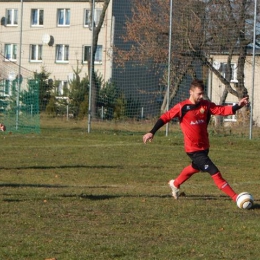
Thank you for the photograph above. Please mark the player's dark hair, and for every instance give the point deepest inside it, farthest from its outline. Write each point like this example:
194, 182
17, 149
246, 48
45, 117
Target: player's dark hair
196, 83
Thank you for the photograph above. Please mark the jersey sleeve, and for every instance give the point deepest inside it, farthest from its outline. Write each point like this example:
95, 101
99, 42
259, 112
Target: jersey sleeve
170, 114
221, 110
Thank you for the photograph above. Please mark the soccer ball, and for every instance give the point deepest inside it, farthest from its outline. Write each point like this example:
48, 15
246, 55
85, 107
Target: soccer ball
245, 200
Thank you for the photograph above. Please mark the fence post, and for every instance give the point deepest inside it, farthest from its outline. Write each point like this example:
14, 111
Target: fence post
169, 66
253, 74
91, 67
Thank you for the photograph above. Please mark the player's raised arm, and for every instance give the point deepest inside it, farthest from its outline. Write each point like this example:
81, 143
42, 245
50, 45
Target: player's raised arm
243, 102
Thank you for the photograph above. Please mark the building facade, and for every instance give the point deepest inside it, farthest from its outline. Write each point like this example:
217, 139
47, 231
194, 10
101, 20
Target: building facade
55, 35
216, 87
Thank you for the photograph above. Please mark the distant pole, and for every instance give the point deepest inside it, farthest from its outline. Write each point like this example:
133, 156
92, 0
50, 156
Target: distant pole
142, 112
102, 112
169, 67
91, 67
19, 78
253, 75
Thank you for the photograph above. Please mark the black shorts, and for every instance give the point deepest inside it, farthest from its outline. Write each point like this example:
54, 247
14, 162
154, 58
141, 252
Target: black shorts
202, 162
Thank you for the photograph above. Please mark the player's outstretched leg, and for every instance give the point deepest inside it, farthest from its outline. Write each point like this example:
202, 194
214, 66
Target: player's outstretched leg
186, 173
224, 186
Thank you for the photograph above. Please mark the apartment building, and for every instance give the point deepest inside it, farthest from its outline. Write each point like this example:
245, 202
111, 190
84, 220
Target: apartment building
252, 83
56, 35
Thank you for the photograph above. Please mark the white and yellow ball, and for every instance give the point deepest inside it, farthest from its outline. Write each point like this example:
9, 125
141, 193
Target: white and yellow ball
245, 200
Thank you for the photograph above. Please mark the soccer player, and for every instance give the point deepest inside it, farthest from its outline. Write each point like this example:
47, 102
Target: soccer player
194, 114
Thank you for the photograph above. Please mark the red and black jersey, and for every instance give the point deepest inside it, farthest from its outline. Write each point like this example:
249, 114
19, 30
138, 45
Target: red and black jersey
194, 120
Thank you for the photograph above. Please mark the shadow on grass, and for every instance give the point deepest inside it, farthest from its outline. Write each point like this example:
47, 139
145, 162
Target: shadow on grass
256, 206
12, 200
19, 185
190, 197
64, 166
107, 197
114, 196
29, 185
183, 196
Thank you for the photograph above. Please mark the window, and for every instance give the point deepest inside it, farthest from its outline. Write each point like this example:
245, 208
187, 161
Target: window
5, 85
63, 17
7, 88
62, 88
87, 54
11, 17
230, 118
223, 71
87, 17
11, 52
37, 17
62, 53
71, 77
35, 53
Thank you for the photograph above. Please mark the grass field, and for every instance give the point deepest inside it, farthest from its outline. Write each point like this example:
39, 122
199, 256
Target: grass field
69, 195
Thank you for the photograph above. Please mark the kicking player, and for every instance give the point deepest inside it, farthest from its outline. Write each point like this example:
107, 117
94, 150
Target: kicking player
194, 115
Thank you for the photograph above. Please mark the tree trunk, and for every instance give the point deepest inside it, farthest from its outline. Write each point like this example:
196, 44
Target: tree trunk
94, 86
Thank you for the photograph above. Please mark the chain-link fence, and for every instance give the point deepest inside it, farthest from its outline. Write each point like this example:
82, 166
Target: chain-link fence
19, 98
142, 56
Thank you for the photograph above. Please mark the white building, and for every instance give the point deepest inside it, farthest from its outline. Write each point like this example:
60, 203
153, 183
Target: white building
216, 88
55, 35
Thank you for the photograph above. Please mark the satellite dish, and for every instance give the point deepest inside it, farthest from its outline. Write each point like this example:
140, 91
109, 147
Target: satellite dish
216, 65
11, 76
48, 39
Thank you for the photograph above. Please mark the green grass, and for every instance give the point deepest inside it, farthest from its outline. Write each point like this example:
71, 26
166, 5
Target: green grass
70, 195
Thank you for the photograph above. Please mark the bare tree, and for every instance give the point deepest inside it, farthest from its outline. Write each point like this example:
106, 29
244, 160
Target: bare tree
96, 31
200, 28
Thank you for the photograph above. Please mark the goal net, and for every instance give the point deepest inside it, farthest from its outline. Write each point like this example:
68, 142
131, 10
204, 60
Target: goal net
19, 99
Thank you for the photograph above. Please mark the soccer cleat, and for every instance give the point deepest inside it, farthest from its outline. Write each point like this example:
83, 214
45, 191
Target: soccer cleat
175, 191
